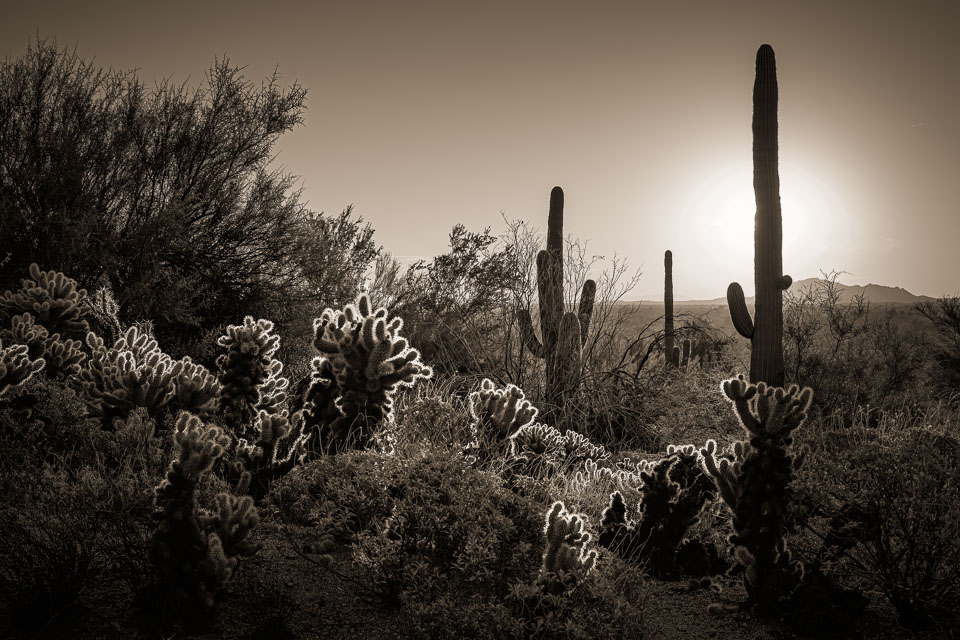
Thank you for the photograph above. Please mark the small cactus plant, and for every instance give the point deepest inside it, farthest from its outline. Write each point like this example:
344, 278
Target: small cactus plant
562, 334
674, 492
273, 454
196, 552
765, 332
566, 560
134, 372
63, 357
755, 484
496, 415
362, 364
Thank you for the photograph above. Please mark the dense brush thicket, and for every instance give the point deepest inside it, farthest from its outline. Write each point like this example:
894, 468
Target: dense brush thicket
216, 419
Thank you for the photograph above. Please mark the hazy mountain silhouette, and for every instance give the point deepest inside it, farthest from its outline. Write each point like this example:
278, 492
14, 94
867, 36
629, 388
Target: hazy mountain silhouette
872, 293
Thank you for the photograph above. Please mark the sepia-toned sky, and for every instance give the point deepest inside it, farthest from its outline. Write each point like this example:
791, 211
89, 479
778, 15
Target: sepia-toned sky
425, 114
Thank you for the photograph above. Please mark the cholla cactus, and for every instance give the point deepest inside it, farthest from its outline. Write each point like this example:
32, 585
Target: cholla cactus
537, 446
250, 375
274, 453
566, 560
368, 359
53, 299
134, 372
63, 357
16, 367
578, 448
673, 494
195, 552
755, 484
496, 416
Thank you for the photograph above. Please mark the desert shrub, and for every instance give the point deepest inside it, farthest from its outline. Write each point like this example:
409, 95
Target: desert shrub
888, 507
431, 418
48, 545
451, 528
849, 353
944, 315
342, 495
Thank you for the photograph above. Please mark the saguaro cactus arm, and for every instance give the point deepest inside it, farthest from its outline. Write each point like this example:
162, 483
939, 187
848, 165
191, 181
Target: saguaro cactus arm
742, 321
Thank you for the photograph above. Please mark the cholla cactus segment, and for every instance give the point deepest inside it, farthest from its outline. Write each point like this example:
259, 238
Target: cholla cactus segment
64, 357
577, 447
249, 374
16, 367
55, 300
104, 311
566, 560
24, 330
197, 448
369, 361
538, 444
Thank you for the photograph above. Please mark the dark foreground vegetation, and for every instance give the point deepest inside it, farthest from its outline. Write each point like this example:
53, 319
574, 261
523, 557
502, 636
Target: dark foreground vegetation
223, 415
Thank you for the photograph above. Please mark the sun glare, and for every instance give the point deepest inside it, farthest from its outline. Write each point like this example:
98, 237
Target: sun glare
725, 208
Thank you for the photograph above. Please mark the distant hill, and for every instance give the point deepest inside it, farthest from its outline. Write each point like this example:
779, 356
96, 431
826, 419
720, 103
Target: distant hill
872, 293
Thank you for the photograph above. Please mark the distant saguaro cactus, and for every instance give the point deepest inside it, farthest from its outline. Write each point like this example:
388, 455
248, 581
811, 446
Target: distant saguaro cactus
766, 330
563, 334
668, 336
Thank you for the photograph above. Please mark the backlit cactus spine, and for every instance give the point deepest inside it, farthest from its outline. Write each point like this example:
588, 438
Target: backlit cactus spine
765, 332
562, 334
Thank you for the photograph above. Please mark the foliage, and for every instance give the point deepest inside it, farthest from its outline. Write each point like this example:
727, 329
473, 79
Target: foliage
944, 313
164, 191
888, 501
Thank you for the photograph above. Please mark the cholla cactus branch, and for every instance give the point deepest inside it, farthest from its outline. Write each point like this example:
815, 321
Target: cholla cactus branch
195, 552
274, 453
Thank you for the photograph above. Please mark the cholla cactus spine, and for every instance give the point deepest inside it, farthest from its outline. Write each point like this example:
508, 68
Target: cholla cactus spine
563, 334
566, 559
755, 485
766, 332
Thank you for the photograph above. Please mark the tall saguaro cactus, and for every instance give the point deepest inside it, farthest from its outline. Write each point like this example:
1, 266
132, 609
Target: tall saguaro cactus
765, 331
668, 335
563, 334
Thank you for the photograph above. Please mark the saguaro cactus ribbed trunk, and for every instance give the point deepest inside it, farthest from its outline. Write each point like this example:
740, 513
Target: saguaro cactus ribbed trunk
563, 334
668, 337
766, 331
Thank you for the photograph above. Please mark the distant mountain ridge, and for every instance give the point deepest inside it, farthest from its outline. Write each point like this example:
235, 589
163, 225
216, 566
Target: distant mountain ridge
872, 293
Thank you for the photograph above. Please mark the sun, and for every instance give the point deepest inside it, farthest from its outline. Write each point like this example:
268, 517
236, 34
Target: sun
725, 208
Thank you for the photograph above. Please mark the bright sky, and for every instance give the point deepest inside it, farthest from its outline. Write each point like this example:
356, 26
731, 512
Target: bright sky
425, 114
